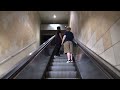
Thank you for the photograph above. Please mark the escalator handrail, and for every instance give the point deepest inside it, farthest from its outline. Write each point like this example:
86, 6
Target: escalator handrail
23, 63
107, 68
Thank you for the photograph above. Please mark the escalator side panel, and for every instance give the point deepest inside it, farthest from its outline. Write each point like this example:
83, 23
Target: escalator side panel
87, 69
36, 68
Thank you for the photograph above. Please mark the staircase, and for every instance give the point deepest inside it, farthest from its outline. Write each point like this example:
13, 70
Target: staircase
59, 69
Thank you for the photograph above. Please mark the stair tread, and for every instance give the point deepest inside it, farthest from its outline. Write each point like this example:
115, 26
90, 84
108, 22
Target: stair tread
62, 78
59, 69
61, 63
61, 74
62, 68
59, 59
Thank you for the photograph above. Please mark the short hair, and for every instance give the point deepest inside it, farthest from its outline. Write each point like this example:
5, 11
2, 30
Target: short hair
58, 27
68, 28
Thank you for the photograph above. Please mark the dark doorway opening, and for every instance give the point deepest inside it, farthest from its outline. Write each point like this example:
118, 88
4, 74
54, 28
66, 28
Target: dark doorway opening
45, 38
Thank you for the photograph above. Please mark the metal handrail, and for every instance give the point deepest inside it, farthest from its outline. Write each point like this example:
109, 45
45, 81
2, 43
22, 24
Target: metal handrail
110, 71
21, 65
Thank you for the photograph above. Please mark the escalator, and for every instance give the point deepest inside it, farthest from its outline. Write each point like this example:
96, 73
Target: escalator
59, 69
42, 65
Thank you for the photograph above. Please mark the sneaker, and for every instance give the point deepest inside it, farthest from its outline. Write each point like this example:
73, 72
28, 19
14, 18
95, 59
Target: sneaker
55, 56
71, 61
68, 61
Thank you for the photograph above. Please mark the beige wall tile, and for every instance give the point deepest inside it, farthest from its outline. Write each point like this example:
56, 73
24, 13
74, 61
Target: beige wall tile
92, 41
17, 30
98, 48
89, 33
109, 56
115, 32
102, 55
107, 40
99, 21
116, 48
118, 67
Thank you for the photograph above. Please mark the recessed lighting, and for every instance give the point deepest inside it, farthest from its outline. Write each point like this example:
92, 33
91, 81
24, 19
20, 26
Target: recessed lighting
54, 26
54, 16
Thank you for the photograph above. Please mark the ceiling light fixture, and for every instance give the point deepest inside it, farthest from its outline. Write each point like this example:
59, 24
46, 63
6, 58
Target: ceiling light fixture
54, 16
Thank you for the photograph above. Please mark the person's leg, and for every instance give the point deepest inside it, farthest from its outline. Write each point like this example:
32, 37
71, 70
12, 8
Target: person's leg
71, 57
71, 51
58, 50
68, 56
68, 52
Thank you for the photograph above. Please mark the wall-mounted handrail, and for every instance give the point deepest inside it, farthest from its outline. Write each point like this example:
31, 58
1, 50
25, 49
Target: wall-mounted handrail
21, 65
109, 70
8, 58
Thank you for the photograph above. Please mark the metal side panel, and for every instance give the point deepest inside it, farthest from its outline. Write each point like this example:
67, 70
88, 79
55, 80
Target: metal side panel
36, 68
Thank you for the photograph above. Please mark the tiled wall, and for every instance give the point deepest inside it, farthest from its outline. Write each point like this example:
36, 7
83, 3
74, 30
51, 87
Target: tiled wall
99, 31
18, 29
74, 22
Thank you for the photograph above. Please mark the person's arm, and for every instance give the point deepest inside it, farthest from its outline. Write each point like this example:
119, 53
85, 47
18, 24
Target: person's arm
63, 39
60, 36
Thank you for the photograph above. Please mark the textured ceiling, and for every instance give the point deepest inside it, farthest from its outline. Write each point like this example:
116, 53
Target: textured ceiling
62, 17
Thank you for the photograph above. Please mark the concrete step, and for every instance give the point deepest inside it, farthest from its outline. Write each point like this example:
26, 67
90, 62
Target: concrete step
61, 68
61, 74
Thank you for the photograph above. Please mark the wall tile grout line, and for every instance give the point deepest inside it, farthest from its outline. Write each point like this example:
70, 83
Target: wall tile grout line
110, 47
8, 58
106, 31
117, 65
102, 36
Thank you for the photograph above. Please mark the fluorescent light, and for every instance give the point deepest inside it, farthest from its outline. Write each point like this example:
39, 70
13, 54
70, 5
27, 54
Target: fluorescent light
54, 26
54, 16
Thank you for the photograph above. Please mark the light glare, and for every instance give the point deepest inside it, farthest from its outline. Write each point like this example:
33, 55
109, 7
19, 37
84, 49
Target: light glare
54, 16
